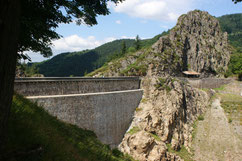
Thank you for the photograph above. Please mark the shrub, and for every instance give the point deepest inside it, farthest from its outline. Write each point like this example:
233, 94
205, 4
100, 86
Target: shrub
200, 118
134, 130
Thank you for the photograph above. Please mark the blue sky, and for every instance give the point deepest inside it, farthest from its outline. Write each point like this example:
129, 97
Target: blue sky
145, 18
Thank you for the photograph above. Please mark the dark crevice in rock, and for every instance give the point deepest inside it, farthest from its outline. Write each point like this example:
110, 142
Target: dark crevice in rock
184, 54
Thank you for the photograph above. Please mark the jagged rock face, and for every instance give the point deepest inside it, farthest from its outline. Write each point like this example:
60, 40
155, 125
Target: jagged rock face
195, 43
164, 118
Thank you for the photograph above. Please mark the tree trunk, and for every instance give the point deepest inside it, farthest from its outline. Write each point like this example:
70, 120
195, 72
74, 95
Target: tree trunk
9, 29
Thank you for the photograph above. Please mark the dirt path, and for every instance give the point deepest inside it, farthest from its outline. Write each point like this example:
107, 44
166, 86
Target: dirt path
215, 138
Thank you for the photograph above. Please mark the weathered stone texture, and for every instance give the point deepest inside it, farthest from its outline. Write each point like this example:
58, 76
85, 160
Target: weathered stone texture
209, 82
60, 86
108, 114
196, 43
166, 116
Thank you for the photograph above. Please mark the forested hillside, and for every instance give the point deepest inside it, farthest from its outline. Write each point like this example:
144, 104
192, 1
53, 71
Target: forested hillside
232, 24
80, 63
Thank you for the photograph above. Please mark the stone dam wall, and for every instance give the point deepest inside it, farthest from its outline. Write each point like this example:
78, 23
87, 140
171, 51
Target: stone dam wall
73, 85
103, 105
209, 82
108, 114
206, 82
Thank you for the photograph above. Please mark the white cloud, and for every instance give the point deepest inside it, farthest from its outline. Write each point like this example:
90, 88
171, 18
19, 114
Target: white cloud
118, 22
133, 37
77, 43
163, 10
70, 44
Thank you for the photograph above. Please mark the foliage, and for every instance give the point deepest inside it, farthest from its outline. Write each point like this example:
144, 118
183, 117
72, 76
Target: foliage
77, 63
134, 130
161, 84
155, 136
31, 128
138, 109
232, 24
137, 43
236, 1
39, 19
232, 105
200, 118
27, 71
183, 153
230, 120
148, 42
221, 88
135, 69
123, 48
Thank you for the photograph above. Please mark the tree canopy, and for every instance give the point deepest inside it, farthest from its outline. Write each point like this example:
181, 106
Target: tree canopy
236, 1
137, 42
40, 18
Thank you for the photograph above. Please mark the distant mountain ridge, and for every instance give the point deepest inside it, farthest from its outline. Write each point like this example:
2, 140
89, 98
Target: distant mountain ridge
86, 61
232, 24
78, 63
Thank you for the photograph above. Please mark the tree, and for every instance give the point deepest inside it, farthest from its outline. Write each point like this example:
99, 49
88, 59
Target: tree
137, 43
124, 48
30, 25
236, 1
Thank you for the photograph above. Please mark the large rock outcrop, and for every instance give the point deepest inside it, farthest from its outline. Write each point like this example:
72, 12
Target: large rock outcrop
196, 43
164, 118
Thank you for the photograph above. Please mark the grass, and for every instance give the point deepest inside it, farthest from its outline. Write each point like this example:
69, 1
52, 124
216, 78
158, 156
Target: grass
200, 118
138, 109
161, 84
155, 136
232, 105
144, 100
183, 153
204, 89
230, 120
194, 131
221, 88
134, 130
34, 135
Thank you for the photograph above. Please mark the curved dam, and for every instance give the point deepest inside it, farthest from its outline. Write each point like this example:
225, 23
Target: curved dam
103, 105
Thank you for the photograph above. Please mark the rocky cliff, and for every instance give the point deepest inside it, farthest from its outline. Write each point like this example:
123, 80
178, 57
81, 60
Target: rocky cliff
164, 120
196, 43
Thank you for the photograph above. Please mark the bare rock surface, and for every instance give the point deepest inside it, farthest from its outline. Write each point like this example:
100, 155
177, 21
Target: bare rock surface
165, 116
196, 43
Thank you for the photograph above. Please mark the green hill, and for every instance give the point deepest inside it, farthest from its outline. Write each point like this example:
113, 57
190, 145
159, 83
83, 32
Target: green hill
77, 63
232, 24
80, 63
34, 135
